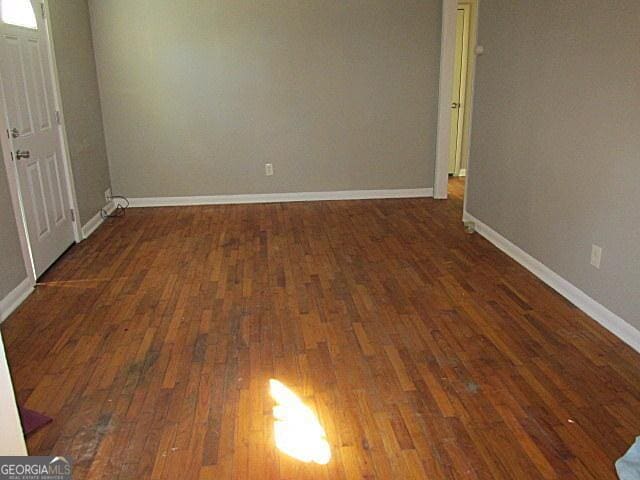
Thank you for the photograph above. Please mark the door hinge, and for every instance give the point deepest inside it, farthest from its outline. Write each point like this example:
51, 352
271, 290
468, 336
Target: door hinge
73, 215
58, 121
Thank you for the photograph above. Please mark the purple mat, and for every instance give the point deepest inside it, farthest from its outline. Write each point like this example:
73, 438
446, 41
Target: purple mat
32, 421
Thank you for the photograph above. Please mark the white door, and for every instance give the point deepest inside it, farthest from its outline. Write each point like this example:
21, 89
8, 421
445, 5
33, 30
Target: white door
27, 90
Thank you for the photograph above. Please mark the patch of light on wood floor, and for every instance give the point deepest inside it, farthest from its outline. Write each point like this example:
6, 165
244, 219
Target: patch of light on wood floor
297, 431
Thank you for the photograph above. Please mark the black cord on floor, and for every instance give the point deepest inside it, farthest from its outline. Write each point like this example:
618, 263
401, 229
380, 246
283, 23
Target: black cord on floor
120, 207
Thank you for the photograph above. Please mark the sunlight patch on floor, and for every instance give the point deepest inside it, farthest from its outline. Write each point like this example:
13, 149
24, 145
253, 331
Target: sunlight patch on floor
297, 431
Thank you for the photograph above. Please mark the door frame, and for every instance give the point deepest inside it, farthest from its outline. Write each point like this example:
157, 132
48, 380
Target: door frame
11, 166
447, 54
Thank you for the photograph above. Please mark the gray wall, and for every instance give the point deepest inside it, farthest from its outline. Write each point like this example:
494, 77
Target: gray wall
555, 158
12, 270
70, 26
198, 96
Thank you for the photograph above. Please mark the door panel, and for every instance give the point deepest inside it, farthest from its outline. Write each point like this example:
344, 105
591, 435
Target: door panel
36, 192
25, 75
38, 78
18, 112
56, 189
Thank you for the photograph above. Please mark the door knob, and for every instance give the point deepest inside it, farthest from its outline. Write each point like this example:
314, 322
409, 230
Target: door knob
20, 154
455, 105
15, 133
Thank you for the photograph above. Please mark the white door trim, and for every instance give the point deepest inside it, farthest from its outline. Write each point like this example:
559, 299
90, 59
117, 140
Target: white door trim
11, 168
447, 54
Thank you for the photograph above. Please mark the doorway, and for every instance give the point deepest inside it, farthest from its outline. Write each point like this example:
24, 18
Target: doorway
457, 163
37, 168
457, 65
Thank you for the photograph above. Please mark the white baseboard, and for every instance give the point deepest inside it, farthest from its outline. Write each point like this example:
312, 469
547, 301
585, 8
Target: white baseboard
14, 298
280, 197
462, 172
93, 224
609, 320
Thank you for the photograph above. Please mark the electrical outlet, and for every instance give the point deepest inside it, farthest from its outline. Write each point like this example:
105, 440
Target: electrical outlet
596, 255
268, 169
107, 195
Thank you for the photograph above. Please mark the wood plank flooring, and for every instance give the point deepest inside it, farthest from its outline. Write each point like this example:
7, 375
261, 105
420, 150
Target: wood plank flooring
425, 351
456, 187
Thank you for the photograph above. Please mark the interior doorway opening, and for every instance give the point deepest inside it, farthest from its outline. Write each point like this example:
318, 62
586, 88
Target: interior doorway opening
458, 55
457, 157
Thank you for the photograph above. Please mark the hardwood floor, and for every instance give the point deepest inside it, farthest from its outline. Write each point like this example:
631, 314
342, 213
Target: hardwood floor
456, 188
426, 352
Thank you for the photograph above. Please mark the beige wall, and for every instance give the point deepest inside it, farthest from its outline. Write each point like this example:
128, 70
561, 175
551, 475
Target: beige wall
555, 162
337, 95
71, 32
12, 270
